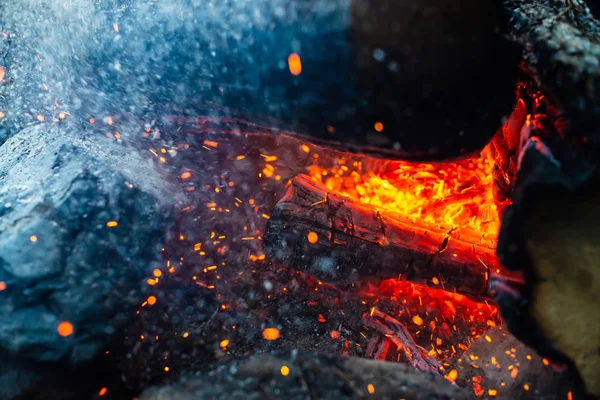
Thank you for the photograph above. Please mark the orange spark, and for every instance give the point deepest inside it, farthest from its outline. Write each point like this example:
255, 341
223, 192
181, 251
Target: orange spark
112, 224
452, 375
152, 300
103, 391
295, 64
312, 237
2, 286
370, 388
65, 328
211, 143
285, 370
378, 126
271, 334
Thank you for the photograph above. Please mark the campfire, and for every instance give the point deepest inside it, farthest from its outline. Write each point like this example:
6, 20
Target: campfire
388, 260
300, 204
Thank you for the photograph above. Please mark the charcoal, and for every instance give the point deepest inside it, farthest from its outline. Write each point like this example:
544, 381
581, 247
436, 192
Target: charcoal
61, 260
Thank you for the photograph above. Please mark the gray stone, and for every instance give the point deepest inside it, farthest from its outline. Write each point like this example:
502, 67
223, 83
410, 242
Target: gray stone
59, 260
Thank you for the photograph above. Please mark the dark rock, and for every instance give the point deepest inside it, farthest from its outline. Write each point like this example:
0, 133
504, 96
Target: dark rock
499, 361
59, 258
294, 375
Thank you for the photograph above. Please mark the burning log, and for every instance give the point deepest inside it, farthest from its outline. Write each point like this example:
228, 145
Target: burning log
340, 240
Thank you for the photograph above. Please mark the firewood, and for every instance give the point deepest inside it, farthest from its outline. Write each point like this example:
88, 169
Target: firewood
341, 240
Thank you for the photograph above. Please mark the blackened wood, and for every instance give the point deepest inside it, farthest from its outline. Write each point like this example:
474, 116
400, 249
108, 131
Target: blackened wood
356, 241
561, 47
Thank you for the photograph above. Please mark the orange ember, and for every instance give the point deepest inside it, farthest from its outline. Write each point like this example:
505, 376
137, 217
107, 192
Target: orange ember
271, 334
65, 329
449, 195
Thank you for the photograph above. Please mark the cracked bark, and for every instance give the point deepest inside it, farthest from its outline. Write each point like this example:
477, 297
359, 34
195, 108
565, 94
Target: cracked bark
356, 241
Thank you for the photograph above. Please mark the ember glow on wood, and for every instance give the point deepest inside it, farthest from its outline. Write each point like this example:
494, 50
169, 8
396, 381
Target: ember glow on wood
359, 241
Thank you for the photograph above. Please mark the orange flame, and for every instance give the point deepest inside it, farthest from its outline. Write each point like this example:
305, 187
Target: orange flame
449, 195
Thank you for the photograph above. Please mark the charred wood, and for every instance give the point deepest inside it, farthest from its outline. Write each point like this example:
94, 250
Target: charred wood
561, 47
341, 240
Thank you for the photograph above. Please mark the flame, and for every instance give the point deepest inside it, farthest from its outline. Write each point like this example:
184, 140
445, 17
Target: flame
449, 195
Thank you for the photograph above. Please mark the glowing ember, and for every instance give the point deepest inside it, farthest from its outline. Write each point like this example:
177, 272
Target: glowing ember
65, 329
370, 388
451, 195
295, 64
271, 333
452, 375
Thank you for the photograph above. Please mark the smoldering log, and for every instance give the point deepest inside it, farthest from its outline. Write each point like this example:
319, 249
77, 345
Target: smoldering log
340, 240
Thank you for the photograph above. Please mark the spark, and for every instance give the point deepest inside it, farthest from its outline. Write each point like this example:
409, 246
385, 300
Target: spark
65, 328
285, 370
112, 224
295, 64
33, 238
452, 375
271, 334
